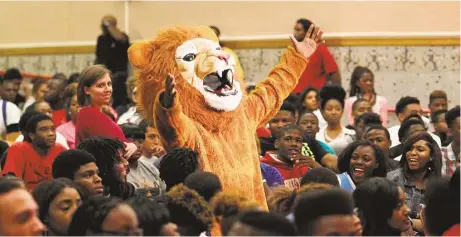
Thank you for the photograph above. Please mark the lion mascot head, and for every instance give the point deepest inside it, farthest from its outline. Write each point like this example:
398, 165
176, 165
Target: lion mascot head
206, 83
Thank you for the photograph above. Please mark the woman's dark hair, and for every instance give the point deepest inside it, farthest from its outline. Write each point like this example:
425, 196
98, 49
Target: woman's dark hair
151, 216
305, 23
106, 151
31, 125
88, 77
435, 163
69, 92
331, 92
303, 95
356, 74
38, 82
177, 164
47, 191
376, 199
344, 158
91, 214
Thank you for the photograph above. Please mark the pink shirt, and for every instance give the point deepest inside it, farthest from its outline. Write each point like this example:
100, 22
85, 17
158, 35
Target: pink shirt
68, 131
380, 108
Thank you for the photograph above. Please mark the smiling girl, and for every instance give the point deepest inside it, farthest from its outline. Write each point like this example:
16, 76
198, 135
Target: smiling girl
360, 161
421, 160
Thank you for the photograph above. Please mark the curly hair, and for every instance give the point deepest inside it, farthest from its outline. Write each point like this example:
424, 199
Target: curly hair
189, 210
91, 214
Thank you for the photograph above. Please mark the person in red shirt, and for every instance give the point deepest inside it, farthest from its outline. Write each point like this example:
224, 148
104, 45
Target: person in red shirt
94, 95
321, 67
32, 159
55, 97
288, 159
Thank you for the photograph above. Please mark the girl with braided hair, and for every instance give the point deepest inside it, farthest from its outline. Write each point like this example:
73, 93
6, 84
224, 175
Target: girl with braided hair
104, 216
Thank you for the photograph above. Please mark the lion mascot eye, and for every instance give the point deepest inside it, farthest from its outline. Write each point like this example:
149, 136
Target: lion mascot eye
189, 57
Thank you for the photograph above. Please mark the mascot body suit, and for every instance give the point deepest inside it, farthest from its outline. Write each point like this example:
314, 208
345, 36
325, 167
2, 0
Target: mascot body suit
188, 87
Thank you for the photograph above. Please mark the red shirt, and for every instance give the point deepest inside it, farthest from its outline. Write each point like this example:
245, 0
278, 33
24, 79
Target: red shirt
59, 117
453, 231
320, 65
291, 174
92, 122
28, 165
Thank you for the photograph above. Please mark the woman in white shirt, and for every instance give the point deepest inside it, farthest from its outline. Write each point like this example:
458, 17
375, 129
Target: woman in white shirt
309, 101
334, 134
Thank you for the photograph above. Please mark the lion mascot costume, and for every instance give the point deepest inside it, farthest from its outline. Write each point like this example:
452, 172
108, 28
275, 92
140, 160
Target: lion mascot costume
188, 87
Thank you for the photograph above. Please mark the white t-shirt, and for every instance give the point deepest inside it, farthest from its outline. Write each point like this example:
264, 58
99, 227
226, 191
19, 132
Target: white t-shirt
60, 139
394, 132
13, 114
338, 144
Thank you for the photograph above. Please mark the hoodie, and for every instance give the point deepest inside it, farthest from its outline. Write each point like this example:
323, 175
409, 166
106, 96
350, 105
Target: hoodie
291, 174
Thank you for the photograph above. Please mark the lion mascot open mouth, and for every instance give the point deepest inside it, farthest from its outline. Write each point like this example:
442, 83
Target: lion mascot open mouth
206, 107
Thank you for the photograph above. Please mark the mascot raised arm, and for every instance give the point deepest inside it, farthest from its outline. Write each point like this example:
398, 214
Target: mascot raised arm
188, 87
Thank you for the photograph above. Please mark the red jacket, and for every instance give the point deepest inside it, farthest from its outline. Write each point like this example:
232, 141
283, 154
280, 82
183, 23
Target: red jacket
320, 65
291, 174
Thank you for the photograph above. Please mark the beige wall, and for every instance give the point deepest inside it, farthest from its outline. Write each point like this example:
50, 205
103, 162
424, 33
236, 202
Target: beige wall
32, 22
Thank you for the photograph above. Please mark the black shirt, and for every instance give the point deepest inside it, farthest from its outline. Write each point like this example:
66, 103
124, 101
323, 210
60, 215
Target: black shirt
112, 53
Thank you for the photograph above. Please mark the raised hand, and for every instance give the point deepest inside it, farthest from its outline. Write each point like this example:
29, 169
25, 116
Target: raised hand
310, 43
170, 92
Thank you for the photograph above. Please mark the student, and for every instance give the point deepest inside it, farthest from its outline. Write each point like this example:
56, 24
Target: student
288, 159
380, 137
15, 219
421, 161
450, 153
309, 101
360, 161
382, 208
258, 223
309, 122
58, 199
438, 101
359, 107
363, 121
326, 213
80, 167
154, 219
104, 216
32, 159
362, 87
72, 108
204, 183
412, 125
441, 212
152, 148
189, 211
177, 164
143, 175
405, 107
335, 135
113, 168
440, 127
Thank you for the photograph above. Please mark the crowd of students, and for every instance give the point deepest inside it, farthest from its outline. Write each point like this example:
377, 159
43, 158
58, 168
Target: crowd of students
74, 165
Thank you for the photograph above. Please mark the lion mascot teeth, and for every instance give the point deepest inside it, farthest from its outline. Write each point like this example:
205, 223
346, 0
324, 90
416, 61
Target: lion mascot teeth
211, 113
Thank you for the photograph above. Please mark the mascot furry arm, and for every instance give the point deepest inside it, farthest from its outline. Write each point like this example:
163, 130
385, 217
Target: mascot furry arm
187, 85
